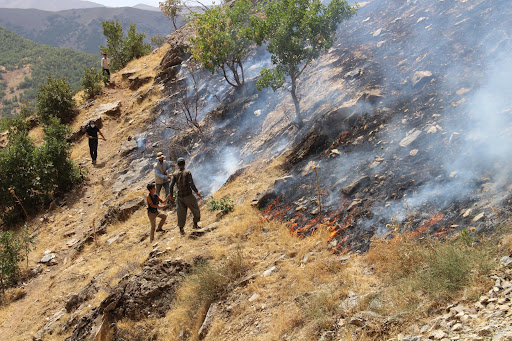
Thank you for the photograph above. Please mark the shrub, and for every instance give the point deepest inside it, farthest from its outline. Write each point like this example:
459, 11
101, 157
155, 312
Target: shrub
224, 205
34, 174
10, 256
123, 50
91, 82
55, 98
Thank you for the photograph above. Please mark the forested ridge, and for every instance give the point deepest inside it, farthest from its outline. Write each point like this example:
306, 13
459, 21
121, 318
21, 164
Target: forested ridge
44, 61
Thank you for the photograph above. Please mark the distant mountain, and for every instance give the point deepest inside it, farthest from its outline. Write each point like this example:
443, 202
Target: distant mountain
80, 29
147, 7
48, 5
37, 62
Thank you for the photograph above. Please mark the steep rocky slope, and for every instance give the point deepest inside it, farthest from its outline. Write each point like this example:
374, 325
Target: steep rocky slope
407, 119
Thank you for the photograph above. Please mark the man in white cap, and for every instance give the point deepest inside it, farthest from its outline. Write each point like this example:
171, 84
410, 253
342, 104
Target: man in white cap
162, 174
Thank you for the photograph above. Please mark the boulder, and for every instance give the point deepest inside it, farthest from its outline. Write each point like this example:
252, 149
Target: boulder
420, 78
48, 259
127, 147
138, 81
410, 137
129, 73
362, 181
148, 294
112, 109
207, 323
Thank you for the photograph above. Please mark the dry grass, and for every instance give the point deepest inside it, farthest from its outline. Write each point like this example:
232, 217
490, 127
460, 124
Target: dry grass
421, 275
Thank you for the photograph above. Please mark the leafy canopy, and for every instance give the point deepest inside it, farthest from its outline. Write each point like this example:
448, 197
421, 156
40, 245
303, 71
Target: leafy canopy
171, 9
55, 98
297, 32
123, 50
224, 35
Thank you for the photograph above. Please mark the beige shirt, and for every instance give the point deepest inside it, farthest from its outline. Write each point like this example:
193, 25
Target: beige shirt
105, 63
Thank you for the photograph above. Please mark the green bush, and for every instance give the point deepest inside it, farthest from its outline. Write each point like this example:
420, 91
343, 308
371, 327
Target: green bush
10, 257
224, 205
35, 174
55, 98
14, 248
91, 82
123, 50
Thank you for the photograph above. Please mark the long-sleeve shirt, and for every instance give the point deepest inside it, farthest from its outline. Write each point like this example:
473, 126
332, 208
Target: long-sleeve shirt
105, 63
161, 171
182, 178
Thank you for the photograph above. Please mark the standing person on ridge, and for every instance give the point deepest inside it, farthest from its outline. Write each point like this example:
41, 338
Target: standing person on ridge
153, 200
162, 174
105, 66
182, 178
92, 131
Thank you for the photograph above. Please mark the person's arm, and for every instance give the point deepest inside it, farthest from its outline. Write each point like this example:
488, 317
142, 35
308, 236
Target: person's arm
150, 202
99, 132
158, 173
173, 182
192, 185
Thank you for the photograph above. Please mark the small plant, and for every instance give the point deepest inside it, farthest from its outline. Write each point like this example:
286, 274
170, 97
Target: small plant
224, 205
467, 237
10, 257
91, 82
55, 98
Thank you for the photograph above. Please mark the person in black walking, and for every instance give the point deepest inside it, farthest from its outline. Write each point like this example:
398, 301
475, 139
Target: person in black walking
92, 133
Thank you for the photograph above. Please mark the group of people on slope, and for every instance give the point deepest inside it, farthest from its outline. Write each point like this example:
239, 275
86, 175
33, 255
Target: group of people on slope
185, 199
181, 178
164, 178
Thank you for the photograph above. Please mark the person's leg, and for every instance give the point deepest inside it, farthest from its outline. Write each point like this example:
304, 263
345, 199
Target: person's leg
167, 188
158, 189
93, 149
152, 220
181, 211
192, 203
162, 217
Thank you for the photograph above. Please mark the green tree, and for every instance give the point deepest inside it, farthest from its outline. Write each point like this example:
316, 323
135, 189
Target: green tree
157, 41
134, 46
55, 98
55, 170
171, 9
122, 50
91, 82
297, 32
113, 30
224, 35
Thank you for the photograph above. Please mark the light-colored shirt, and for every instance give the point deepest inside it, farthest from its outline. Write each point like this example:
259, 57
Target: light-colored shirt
105, 63
161, 171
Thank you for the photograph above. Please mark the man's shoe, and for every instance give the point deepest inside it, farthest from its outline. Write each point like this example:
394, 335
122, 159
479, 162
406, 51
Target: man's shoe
159, 230
182, 232
196, 226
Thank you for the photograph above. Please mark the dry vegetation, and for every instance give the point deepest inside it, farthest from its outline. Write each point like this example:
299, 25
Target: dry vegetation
298, 300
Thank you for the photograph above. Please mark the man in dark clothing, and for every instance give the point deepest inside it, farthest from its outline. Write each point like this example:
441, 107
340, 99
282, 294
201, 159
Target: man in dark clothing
153, 205
92, 133
182, 178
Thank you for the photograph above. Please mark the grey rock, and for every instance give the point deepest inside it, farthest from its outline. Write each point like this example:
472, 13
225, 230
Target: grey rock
506, 261
112, 109
420, 78
127, 147
138, 81
410, 138
254, 297
268, 272
356, 184
207, 323
437, 335
129, 73
116, 238
48, 258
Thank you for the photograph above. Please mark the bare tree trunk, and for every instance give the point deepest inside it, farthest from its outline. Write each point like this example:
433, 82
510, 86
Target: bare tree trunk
298, 118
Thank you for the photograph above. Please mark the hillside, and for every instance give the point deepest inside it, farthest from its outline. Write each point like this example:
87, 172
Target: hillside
405, 145
80, 29
26, 64
48, 5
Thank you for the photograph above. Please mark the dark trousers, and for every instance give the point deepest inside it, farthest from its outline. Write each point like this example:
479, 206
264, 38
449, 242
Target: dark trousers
93, 149
106, 71
184, 203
